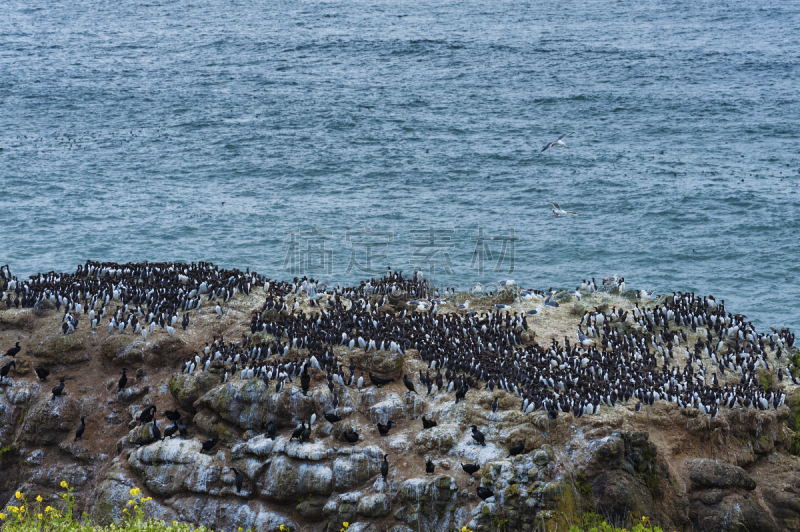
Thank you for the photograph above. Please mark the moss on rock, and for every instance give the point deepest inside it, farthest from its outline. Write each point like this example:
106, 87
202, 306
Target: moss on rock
186, 389
168, 352
69, 349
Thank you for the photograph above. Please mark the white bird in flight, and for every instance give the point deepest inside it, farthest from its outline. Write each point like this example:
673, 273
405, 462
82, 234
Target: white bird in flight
558, 211
559, 142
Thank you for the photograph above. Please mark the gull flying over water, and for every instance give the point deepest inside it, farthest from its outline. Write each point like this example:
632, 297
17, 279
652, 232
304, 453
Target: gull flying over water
558, 211
559, 142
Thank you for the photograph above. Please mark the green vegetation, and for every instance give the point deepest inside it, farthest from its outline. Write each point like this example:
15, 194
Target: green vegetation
25, 517
584, 488
598, 524
795, 369
794, 423
31, 517
5, 452
765, 380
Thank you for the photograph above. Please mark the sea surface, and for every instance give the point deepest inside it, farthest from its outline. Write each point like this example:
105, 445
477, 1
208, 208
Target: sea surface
296, 138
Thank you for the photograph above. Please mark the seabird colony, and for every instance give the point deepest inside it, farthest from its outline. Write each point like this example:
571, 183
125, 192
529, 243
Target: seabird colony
617, 355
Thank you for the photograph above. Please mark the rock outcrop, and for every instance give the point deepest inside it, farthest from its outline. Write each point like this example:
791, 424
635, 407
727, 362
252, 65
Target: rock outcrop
683, 469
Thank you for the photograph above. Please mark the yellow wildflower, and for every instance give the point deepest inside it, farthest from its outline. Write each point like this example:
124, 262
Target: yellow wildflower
64, 484
147, 499
240, 529
39, 498
2, 517
18, 495
13, 509
135, 506
135, 491
40, 516
283, 528
48, 509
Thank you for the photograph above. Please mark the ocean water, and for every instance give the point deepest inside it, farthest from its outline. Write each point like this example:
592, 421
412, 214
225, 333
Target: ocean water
224, 130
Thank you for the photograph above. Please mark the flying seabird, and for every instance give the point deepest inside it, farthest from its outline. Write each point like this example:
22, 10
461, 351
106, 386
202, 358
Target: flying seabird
558, 142
558, 211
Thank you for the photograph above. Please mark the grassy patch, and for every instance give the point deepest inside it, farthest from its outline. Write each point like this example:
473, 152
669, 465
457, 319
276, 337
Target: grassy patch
794, 423
795, 368
6, 452
584, 488
34, 516
765, 380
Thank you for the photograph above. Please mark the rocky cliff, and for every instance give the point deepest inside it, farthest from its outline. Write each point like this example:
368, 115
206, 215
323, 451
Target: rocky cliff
685, 469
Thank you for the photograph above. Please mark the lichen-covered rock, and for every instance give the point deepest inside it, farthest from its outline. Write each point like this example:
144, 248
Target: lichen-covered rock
399, 443
251, 468
44, 481
132, 393
355, 466
342, 507
363, 526
80, 452
69, 349
607, 453
385, 364
145, 431
186, 389
243, 403
113, 494
122, 350
13, 400
707, 473
287, 480
219, 514
438, 488
49, 421
374, 505
260, 446
504, 474
311, 509
173, 466
542, 457
429, 502
778, 479
391, 407
468, 451
291, 406
51, 477
736, 512
441, 438
538, 506
35, 458
619, 494
313, 451
168, 352
461, 414
250, 404
209, 422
